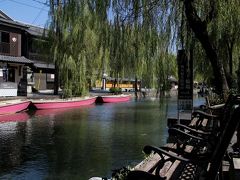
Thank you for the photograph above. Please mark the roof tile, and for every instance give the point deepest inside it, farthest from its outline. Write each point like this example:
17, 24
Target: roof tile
19, 59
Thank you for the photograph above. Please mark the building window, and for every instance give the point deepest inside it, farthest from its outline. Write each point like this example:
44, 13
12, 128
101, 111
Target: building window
4, 37
4, 42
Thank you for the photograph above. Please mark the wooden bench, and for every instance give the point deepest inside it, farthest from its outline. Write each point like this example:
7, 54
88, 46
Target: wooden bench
169, 165
151, 163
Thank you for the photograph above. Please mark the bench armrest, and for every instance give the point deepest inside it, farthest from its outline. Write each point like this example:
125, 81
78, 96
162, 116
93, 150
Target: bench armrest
194, 131
148, 149
217, 107
175, 131
161, 152
203, 114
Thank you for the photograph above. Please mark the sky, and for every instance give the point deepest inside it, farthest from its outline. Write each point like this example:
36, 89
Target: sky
33, 12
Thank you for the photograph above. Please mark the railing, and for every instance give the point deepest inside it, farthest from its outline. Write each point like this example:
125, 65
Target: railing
4, 48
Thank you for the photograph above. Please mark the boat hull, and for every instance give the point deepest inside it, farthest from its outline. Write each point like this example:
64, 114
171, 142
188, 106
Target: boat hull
16, 117
63, 104
113, 99
50, 112
14, 107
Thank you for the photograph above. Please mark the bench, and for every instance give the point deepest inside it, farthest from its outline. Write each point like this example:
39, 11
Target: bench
171, 165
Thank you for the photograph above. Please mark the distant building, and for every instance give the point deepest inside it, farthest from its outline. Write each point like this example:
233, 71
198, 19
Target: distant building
22, 64
43, 67
124, 83
13, 63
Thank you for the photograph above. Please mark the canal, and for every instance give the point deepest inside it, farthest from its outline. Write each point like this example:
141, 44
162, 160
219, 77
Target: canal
82, 142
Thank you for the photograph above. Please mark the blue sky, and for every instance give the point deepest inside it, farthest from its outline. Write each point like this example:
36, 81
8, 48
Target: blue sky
26, 11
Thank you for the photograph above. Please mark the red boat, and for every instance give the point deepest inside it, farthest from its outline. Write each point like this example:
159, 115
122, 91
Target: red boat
50, 112
113, 98
63, 103
13, 106
16, 117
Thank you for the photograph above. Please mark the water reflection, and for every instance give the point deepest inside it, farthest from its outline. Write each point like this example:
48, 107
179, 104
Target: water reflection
54, 112
82, 142
17, 117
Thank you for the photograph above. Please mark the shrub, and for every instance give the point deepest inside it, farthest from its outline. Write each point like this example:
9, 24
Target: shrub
115, 90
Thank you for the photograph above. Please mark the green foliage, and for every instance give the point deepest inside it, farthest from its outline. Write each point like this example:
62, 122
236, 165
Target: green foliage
78, 45
121, 174
85, 45
215, 99
115, 90
138, 39
220, 18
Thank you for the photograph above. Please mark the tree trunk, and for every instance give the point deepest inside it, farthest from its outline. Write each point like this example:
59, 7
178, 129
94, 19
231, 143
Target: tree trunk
230, 63
158, 89
56, 74
140, 88
199, 28
136, 87
230, 53
115, 82
238, 75
118, 80
56, 80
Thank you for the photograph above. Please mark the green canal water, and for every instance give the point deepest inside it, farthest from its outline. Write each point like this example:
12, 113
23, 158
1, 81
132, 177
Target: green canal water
83, 142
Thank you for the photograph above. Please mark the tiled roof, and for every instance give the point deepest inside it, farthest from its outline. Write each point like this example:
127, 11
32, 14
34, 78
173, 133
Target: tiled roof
31, 29
13, 59
12, 23
4, 16
42, 65
37, 31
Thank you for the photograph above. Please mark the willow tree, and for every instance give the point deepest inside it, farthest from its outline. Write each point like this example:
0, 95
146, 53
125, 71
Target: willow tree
228, 35
130, 43
215, 24
205, 21
117, 50
86, 44
200, 29
157, 45
145, 39
65, 33
75, 38
103, 30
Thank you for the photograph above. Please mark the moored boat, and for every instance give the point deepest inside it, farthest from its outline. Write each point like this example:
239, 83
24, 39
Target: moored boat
63, 103
16, 117
13, 106
114, 98
58, 111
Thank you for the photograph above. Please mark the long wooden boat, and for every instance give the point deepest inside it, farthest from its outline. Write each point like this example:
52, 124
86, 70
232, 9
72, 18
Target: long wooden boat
13, 106
58, 111
114, 98
16, 117
63, 103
